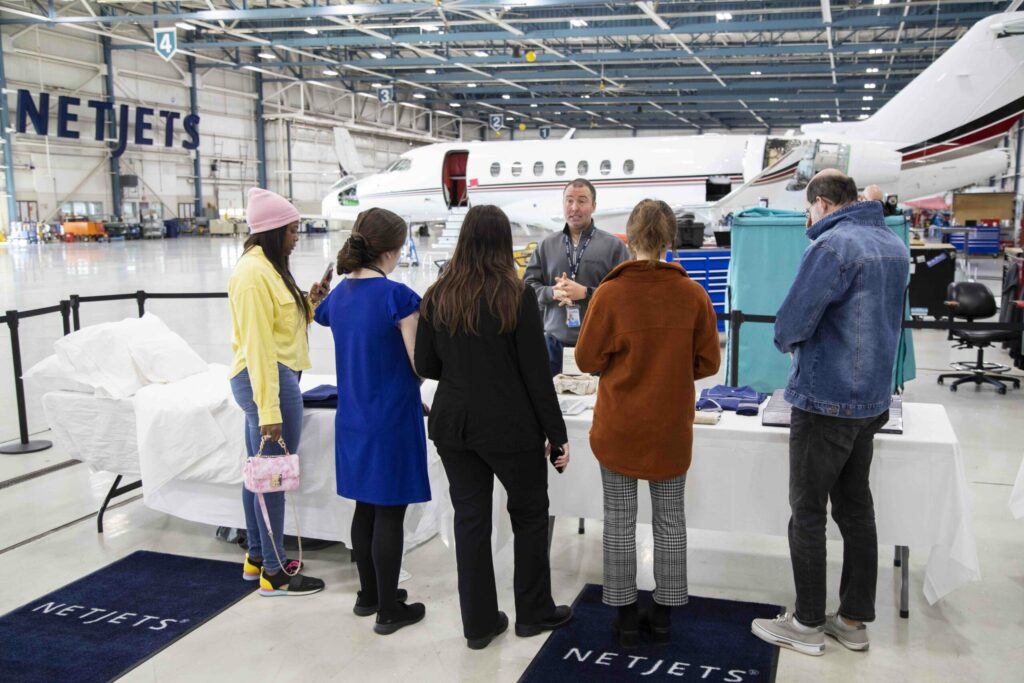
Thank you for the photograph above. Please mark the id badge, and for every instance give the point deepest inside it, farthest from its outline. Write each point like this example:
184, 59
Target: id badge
572, 316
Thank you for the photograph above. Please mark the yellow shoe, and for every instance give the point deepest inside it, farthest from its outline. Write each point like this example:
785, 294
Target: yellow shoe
251, 570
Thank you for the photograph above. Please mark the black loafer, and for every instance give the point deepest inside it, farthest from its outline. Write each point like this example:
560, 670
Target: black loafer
481, 643
407, 616
560, 617
364, 610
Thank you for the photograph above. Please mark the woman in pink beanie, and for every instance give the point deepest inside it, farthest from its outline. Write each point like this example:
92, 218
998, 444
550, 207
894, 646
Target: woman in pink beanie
269, 317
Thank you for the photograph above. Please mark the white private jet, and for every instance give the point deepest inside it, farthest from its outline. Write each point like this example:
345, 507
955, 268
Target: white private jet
939, 133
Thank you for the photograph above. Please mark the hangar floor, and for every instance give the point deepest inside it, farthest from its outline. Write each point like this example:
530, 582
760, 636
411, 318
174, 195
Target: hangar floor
48, 538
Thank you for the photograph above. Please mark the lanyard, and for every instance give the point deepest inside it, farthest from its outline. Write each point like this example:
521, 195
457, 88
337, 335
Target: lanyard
575, 258
374, 268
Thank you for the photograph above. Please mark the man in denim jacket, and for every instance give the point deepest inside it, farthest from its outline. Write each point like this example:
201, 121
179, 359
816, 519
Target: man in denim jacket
841, 321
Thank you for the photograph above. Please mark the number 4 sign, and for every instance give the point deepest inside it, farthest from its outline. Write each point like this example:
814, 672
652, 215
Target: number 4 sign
165, 40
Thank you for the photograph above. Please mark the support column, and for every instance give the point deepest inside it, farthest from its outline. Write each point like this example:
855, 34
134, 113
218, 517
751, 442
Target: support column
115, 164
261, 134
1018, 203
5, 123
288, 142
197, 166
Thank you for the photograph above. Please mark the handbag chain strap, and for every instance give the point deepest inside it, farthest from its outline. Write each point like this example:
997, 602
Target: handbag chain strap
266, 516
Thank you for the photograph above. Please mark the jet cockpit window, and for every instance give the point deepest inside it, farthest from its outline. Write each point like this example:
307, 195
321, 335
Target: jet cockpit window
495, 169
606, 167
627, 167
517, 168
560, 168
776, 148
582, 168
538, 168
399, 165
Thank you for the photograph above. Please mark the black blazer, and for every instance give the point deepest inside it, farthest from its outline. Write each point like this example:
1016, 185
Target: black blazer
495, 392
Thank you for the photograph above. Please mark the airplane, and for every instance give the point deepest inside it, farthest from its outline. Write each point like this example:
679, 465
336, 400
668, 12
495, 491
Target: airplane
939, 133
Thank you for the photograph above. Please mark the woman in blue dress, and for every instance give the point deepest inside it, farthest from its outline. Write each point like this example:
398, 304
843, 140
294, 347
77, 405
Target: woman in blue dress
380, 443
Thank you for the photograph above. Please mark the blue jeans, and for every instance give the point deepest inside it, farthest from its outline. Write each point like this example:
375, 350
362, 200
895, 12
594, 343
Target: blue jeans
555, 349
290, 397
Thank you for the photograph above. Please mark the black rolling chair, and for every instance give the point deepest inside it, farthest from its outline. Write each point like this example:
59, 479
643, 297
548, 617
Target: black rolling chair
973, 300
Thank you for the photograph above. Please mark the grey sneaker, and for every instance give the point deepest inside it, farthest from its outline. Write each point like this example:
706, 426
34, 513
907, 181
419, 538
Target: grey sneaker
850, 637
785, 631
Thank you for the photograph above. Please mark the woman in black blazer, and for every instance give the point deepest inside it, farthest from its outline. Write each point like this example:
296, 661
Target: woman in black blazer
480, 335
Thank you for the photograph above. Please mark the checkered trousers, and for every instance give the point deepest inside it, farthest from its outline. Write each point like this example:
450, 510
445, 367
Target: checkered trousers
669, 521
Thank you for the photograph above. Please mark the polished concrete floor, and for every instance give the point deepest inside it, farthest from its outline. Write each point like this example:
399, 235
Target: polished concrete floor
49, 539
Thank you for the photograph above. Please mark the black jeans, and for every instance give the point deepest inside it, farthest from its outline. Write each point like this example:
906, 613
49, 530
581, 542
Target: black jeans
830, 458
471, 483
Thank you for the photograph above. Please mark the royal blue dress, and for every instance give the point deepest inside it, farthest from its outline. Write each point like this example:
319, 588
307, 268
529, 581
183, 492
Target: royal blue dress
380, 443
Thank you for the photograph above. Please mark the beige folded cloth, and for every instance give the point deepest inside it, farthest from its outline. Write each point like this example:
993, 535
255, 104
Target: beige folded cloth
707, 417
582, 385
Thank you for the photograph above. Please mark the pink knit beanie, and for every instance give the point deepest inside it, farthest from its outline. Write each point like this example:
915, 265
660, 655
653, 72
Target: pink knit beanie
268, 211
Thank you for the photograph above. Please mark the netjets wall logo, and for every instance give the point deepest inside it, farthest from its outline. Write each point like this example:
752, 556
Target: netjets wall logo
97, 615
649, 666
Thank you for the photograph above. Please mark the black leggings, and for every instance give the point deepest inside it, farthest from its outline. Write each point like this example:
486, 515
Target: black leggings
378, 536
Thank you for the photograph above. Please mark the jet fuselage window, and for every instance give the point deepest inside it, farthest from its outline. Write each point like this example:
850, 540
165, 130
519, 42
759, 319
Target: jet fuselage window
495, 169
582, 168
606, 167
538, 168
560, 168
517, 168
627, 167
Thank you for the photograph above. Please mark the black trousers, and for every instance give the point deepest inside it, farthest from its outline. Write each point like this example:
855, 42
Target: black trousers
471, 483
830, 458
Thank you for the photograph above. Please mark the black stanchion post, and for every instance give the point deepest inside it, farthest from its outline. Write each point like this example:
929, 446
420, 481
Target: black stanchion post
735, 322
75, 305
24, 445
65, 314
140, 297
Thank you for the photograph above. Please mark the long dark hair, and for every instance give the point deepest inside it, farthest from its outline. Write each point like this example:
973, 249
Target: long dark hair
481, 266
375, 232
272, 244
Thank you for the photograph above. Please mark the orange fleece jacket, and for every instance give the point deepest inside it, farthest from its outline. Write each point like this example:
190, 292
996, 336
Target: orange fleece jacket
651, 332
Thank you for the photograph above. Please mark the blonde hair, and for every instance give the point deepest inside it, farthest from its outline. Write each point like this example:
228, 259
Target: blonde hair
651, 227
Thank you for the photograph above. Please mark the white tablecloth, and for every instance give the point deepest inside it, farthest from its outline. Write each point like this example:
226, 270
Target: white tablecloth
739, 481
1017, 495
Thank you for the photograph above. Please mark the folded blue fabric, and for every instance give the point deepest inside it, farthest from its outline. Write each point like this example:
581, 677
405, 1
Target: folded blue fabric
744, 400
323, 396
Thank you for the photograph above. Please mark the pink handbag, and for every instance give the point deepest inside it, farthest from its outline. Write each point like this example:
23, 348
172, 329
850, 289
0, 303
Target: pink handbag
273, 474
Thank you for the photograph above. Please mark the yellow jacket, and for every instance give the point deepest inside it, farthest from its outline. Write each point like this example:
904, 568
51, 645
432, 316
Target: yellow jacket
266, 329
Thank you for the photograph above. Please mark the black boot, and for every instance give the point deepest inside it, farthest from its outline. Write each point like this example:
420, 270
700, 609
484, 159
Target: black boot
403, 615
627, 625
661, 623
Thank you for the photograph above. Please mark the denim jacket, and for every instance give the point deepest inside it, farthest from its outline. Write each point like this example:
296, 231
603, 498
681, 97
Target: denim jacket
841, 318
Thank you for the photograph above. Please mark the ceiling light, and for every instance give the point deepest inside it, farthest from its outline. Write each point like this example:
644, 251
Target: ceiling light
267, 55
186, 26
871, 70
454, 105
429, 28
506, 97
533, 106
378, 55
824, 116
577, 23
773, 99
865, 108
586, 97
471, 85
862, 117
419, 96
869, 86
509, 118
330, 72
431, 72
881, 2
723, 16
311, 31
480, 53
875, 51
868, 98
376, 85
755, 73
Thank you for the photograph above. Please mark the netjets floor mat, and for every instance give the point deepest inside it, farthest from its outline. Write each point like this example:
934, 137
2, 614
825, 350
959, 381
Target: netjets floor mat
108, 622
711, 642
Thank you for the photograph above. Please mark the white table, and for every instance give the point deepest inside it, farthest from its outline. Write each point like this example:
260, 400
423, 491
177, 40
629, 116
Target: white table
739, 481
1017, 495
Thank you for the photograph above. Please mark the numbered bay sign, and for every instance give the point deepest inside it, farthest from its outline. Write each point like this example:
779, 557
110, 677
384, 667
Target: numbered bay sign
165, 40
386, 95
545, 132
497, 122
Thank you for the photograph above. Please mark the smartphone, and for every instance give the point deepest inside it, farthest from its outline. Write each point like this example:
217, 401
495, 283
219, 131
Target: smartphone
328, 274
556, 453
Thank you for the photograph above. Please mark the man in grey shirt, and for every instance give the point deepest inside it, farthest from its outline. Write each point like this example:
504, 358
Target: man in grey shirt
568, 266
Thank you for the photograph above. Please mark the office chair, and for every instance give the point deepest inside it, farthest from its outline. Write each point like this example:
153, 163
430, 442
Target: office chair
971, 300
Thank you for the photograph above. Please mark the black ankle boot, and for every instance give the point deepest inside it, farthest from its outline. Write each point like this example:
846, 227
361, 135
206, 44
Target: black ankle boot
627, 625
404, 615
661, 622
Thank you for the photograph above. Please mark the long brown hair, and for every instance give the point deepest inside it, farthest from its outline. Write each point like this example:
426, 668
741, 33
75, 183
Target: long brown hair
651, 227
272, 244
375, 232
481, 266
